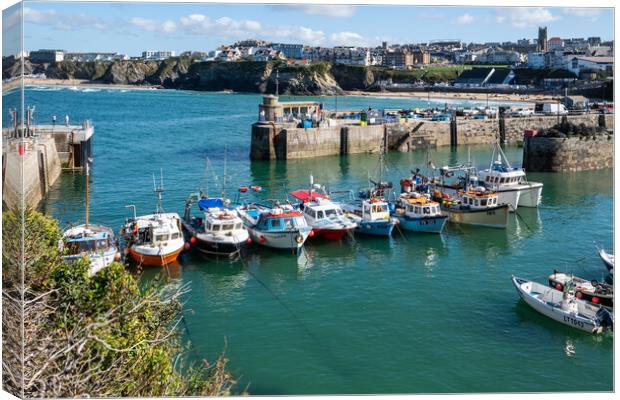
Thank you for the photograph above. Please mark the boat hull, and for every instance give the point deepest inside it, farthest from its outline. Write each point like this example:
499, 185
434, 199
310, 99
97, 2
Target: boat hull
531, 197
279, 240
213, 247
375, 228
98, 261
154, 260
496, 217
330, 234
510, 197
556, 313
424, 224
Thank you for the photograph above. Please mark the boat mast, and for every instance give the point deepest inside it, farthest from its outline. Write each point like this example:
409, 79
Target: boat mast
224, 180
159, 190
87, 178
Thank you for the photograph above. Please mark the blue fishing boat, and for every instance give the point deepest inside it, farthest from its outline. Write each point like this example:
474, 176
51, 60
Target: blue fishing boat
372, 217
416, 212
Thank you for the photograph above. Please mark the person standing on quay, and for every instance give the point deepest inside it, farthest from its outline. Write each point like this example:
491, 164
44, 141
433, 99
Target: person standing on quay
67, 120
54, 120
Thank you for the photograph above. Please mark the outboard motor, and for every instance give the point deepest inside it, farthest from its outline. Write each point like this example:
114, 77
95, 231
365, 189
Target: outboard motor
606, 319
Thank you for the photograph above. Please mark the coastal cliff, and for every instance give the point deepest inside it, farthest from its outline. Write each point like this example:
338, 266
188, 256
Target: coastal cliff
184, 73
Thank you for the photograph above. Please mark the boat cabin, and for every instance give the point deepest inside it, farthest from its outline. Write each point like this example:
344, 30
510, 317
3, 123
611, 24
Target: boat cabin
221, 221
419, 205
280, 220
87, 241
322, 209
479, 198
155, 230
375, 210
501, 175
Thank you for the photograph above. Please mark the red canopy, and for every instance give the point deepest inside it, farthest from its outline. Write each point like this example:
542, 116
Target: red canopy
306, 195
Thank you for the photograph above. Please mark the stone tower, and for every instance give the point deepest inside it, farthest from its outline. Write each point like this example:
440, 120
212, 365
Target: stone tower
542, 39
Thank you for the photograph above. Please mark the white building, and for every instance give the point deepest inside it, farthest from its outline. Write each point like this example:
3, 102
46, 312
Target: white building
499, 57
352, 55
157, 54
576, 64
46, 56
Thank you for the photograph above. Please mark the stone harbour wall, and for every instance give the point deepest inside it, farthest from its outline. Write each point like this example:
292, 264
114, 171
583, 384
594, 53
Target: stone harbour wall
542, 154
273, 141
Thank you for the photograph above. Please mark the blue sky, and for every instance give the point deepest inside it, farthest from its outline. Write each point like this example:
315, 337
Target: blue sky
133, 27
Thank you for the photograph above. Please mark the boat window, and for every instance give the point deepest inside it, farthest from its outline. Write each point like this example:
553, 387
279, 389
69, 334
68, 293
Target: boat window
175, 235
417, 210
207, 226
331, 212
476, 203
426, 210
216, 227
502, 180
483, 202
288, 223
320, 215
339, 211
488, 178
161, 238
275, 223
238, 225
227, 227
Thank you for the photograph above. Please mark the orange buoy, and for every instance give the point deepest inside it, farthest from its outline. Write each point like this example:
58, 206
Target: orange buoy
595, 300
193, 240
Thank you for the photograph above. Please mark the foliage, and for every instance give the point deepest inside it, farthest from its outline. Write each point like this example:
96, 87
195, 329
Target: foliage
101, 335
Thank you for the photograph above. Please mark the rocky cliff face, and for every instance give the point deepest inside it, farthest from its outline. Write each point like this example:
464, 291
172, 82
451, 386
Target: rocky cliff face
182, 73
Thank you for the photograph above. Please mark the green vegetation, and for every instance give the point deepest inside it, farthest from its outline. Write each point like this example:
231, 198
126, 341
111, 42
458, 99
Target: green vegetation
91, 336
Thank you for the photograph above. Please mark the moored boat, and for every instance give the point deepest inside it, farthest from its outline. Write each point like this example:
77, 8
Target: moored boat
325, 217
219, 231
476, 206
510, 183
278, 226
600, 293
564, 307
96, 242
418, 213
154, 239
372, 217
608, 260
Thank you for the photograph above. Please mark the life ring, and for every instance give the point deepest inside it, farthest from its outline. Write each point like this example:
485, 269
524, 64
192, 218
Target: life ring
299, 239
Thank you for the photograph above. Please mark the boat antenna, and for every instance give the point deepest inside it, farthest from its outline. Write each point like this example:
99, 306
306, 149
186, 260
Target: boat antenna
224, 180
87, 179
207, 176
159, 190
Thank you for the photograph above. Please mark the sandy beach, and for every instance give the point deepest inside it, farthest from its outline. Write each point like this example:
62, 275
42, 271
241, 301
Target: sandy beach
419, 94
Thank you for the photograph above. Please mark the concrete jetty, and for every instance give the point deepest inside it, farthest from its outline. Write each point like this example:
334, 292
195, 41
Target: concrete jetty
276, 137
33, 157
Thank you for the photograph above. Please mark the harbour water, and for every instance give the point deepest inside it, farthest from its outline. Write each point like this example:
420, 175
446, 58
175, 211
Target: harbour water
412, 314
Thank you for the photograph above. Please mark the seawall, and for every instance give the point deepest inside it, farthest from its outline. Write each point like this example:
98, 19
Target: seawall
544, 154
272, 141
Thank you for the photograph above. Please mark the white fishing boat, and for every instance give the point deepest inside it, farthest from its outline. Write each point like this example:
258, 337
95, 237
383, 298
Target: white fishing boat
154, 239
608, 259
510, 183
564, 306
94, 242
278, 226
476, 206
372, 217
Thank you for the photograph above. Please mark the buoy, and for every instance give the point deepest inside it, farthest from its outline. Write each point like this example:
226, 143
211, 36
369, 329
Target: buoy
249, 241
595, 300
243, 189
257, 188
446, 196
558, 286
262, 239
117, 256
311, 234
186, 246
193, 240
579, 295
299, 239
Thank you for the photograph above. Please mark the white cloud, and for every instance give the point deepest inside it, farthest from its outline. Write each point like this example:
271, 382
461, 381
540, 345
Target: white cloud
465, 19
149, 25
169, 26
63, 22
199, 24
325, 10
295, 33
522, 17
347, 39
590, 13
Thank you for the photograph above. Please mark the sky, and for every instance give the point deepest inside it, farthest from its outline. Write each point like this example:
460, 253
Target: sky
131, 28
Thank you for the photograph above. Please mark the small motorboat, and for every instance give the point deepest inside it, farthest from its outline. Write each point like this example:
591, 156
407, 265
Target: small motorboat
418, 213
219, 231
564, 306
372, 217
608, 260
600, 293
96, 242
154, 239
278, 226
324, 216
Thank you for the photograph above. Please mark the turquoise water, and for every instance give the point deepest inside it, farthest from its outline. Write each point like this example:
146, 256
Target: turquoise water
419, 314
